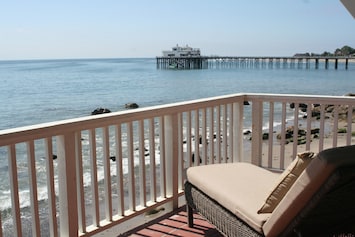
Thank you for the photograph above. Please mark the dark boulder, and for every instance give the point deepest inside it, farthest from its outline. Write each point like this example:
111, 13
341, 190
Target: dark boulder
100, 111
301, 106
193, 159
350, 94
315, 130
131, 106
265, 136
247, 132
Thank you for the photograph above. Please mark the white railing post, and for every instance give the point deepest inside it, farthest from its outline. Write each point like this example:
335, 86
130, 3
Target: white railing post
68, 210
171, 157
257, 127
237, 132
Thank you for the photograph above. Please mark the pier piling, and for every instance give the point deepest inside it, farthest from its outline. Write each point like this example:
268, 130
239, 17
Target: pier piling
205, 62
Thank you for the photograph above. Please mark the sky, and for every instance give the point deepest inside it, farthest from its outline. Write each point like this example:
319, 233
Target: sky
65, 29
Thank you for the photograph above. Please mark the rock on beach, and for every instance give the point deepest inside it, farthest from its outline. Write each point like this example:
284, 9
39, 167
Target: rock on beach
100, 111
131, 106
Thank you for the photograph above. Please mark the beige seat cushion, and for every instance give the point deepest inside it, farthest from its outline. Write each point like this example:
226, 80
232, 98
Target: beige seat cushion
285, 181
239, 187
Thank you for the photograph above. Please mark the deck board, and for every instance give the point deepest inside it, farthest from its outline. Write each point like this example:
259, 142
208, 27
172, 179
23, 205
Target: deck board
175, 224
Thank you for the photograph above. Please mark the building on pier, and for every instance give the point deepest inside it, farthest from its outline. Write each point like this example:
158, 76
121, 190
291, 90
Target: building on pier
182, 58
179, 51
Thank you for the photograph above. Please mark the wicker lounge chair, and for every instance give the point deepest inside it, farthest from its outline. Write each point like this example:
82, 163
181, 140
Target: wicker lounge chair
321, 201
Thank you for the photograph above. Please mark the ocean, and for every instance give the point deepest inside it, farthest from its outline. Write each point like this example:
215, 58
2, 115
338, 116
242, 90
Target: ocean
38, 91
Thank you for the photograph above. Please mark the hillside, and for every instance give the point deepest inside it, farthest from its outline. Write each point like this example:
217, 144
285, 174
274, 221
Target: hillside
344, 51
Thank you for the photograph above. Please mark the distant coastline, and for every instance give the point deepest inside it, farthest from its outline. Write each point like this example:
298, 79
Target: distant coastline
345, 51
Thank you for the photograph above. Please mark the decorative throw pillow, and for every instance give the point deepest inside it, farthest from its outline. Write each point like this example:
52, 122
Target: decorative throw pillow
286, 180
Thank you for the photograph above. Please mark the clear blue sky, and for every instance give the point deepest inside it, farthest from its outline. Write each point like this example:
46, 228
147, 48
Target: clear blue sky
141, 28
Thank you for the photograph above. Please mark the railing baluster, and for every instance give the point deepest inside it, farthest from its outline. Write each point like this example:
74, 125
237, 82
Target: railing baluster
309, 124
271, 132
94, 183
53, 231
224, 135
188, 139
230, 133
14, 191
196, 154
1, 234
80, 183
238, 142
257, 121
131, 178
349, 125
203, 137
162, 158
107, 174
33, 188
153, 176
211, 139
180, 156
321, 127
218, 134
295, 130
142, 167
119, 171
335, 125
1, 227
283, 138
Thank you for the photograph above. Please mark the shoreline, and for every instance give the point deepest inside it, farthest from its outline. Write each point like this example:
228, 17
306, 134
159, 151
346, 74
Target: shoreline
331, 139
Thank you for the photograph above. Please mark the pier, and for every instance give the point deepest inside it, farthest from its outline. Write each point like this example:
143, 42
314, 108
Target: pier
183, 62
205, 62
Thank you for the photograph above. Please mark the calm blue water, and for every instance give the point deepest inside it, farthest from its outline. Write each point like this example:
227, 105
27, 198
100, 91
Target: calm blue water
39, 91
33, 92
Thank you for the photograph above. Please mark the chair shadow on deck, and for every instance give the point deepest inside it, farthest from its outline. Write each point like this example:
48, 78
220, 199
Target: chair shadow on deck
175, 224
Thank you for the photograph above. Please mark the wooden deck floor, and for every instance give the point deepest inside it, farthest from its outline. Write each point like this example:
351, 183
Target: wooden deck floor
175, 224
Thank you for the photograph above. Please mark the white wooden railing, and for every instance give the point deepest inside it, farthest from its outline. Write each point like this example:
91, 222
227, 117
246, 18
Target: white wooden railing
101, 171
